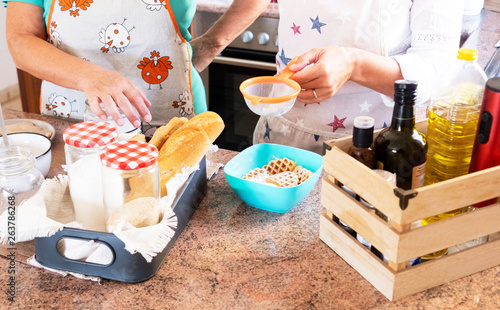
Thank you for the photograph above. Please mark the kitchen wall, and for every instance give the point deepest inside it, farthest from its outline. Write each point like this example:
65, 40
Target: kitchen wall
8, 76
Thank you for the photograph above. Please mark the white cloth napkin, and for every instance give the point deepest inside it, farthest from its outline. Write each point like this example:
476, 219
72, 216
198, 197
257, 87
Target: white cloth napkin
51, 209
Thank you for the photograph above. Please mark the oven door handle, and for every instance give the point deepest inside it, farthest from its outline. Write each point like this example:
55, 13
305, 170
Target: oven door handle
244, 63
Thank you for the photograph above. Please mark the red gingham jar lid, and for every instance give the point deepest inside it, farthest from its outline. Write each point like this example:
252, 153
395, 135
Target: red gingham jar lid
129, 155
90, 134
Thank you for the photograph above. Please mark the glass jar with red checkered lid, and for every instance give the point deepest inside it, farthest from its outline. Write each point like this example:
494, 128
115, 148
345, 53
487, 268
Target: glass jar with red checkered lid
83, 143
131, 183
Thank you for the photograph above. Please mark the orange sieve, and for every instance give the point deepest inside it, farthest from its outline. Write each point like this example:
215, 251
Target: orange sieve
271, 95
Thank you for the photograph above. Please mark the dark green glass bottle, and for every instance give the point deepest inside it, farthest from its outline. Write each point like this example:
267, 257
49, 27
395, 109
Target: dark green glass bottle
401, 148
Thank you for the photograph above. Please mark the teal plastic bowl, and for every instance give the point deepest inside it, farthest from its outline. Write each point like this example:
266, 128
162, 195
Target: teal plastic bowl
266, 197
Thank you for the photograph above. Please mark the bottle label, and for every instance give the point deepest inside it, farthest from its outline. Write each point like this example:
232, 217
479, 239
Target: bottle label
418, 176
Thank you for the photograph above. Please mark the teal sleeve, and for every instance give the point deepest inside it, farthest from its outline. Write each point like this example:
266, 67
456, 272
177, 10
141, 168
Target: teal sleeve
36, 2
199, 95
184, 12
45, 4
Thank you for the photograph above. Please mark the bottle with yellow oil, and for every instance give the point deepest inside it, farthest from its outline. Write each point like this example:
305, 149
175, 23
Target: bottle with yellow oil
452, 125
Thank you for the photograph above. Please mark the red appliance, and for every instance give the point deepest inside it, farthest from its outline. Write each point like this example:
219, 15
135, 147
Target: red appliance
486, 151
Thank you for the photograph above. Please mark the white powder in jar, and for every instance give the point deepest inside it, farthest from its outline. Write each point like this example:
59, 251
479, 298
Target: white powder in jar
85, 185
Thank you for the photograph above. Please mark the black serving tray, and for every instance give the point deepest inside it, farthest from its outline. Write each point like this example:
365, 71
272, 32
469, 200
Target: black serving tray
125, 267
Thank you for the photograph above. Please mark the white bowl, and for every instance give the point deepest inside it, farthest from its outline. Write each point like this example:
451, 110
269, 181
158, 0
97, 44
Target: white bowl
39, 144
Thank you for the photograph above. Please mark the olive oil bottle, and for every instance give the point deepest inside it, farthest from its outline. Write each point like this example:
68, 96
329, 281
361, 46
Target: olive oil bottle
452, 125
401, 148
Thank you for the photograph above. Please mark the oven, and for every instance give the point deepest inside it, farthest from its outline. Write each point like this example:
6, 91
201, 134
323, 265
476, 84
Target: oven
252, 54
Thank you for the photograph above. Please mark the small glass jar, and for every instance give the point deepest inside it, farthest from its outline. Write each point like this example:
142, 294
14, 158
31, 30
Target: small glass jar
83, 143
127, 128
19, 177
131, 183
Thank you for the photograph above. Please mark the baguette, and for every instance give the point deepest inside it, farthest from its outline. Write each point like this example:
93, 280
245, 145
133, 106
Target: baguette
185, 148
210, 122
138, 137
164, 132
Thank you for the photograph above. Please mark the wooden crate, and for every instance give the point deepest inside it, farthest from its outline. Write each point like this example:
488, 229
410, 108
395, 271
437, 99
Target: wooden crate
398, 241
493, 5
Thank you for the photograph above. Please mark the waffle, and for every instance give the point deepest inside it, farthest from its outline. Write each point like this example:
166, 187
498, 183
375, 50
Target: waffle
302, 173
283, 179
257, 174
279, 165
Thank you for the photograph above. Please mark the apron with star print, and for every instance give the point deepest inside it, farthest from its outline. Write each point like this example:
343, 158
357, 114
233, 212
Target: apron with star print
139, 39
304, 26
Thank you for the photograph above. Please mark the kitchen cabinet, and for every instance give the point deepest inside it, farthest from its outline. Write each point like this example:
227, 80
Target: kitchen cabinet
29, 87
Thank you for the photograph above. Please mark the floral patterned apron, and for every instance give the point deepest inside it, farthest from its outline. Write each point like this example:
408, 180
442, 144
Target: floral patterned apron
139, 39
305, 25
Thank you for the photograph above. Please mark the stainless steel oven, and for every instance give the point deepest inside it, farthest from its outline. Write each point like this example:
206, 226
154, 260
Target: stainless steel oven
252, 54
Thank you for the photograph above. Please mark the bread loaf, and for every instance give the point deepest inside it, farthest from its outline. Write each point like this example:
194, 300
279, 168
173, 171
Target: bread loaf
185, 148
164, 132
138, 137
210, 122
140, 212
185, 143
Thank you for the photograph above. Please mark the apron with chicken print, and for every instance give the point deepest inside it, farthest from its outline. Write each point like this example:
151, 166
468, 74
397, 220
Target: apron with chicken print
305, 25
139, 39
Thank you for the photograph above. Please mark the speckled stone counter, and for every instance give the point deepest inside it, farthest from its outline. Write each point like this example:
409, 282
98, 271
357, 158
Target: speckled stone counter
232, 256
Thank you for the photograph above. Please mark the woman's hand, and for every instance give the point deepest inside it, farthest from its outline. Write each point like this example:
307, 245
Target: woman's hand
26, 36
332, 67
115, 92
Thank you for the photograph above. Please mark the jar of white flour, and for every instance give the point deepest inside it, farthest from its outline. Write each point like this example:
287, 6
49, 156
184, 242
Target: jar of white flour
83, 143
131, 183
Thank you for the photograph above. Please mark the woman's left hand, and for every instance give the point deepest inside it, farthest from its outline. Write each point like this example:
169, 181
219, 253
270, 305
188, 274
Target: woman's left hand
332, 67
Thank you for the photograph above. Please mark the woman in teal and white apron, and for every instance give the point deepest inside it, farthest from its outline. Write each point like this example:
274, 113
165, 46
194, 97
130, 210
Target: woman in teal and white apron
131, 55
351, 52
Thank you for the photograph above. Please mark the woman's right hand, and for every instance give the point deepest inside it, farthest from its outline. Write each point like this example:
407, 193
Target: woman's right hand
115, 92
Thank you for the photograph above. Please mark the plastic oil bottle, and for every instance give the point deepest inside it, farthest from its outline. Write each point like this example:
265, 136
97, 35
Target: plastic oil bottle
452, 125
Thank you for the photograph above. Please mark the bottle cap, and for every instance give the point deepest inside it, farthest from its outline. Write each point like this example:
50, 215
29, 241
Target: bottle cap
129, 155
405, 92
493, 84
362, 135
468, 54
363, 122
90, 134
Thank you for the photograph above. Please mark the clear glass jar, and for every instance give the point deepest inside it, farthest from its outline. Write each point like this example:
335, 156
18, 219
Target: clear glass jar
131, 184
127, 128
83, 144
19, 177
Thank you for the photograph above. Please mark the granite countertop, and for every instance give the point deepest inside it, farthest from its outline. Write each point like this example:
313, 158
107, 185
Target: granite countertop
232, 256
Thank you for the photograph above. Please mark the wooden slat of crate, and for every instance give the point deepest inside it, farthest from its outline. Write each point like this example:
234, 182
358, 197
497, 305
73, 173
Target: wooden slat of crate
366, 223
396, 285
493, 5
454, 193
362, 181
448, 268
401, 247
371, 268
430, 200
450, 232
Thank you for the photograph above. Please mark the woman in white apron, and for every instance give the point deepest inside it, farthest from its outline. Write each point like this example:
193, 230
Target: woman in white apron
130, 55
356, 50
